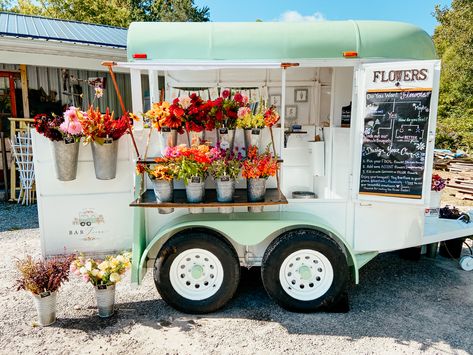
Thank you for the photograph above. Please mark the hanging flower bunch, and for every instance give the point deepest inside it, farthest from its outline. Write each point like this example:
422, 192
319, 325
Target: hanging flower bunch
224, 162
97, 272
271, 117
189, 162
438, 183
247, 119
193, 111
257, 165
161, 115
224, 110
98, 126
58, 128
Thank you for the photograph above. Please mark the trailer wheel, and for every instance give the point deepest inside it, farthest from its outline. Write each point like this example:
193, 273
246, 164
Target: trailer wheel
196, 272
304, 271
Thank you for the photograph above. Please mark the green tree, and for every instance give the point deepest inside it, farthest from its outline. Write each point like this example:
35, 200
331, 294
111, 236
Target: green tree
111, 12
454, 42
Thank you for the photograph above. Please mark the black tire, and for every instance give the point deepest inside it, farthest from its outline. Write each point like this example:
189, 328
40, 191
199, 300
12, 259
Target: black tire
295, 240
203, 240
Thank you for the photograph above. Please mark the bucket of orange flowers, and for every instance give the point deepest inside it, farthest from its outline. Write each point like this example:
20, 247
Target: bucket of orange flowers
257, 168
161, 176
103, 131
191, 166
168, 120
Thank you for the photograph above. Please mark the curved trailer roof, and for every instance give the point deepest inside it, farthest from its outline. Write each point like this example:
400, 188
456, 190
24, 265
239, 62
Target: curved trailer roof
277, 41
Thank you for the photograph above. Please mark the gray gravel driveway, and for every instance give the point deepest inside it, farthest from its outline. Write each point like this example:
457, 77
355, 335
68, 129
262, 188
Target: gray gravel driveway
400, 306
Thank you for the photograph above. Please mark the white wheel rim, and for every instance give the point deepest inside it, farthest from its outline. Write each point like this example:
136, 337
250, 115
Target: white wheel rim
196, 274
306, 275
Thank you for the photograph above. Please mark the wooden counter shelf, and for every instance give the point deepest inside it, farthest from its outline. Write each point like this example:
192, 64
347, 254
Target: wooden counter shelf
148, 199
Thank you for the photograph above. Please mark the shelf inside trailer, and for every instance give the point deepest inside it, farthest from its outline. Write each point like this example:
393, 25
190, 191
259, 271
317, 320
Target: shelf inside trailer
148, 199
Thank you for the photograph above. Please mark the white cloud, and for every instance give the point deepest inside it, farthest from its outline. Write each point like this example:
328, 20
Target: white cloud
295, 16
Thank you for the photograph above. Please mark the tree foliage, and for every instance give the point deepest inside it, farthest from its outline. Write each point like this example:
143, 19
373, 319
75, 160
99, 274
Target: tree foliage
454, 41
111, 12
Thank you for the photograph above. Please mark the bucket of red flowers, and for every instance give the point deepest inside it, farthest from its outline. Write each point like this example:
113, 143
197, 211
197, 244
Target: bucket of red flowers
168, 120
437, 186
103, 131
257, 168
65, 133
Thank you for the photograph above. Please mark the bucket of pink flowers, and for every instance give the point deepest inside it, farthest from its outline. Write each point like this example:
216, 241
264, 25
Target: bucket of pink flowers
103, 275
437, 186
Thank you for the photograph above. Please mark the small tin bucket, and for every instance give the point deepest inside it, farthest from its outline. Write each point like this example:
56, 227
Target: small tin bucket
66, 154
105, 159
105, 300
46, 307
164, 192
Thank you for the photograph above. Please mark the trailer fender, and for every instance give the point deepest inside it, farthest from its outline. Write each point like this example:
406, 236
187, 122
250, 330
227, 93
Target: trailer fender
245, 229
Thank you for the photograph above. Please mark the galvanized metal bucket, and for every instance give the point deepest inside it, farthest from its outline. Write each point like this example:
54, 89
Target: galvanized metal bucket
195, 138
167, 137
105, 300
105, 159
164, 192
226, 138
225, 192
46, 307
256, 189
65, 159
253, 137
195, 190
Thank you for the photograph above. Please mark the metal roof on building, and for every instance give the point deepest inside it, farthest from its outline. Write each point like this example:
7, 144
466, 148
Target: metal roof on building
36, 27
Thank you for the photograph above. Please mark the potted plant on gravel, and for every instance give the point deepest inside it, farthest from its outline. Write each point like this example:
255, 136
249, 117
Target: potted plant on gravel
64, 133
225, 167
103, 275
43, 278
257, 168
103, 131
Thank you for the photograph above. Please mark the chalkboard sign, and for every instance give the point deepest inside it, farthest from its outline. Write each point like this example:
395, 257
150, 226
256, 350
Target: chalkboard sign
394, 143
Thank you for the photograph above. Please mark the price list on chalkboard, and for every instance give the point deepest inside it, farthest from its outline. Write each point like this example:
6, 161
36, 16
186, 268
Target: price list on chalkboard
394, 143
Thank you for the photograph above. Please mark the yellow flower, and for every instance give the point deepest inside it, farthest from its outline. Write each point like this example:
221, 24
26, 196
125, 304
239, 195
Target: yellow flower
100, 274
114, 277
104, 265
95, 272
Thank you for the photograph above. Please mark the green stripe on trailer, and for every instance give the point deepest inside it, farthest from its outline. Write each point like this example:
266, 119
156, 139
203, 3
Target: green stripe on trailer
277, 41
243, 228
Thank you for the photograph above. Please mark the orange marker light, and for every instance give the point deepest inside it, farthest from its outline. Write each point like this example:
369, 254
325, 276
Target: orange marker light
350, 54
140, 56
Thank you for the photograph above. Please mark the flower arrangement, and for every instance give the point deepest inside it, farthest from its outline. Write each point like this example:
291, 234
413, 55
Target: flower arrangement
224, 162
162, 115
164, 169
38, 276
101, 272
271, 116
98, 127
257, 165
224, 110
57, 128
193, 111
248, 120
189, 162
438, 183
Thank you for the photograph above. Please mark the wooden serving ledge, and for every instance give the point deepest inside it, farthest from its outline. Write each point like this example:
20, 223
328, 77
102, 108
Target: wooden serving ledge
148, 199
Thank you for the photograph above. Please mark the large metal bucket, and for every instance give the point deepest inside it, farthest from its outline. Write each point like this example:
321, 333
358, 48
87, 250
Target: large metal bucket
225, 192
105, 159
253, 137
166, 138
105, 296
195, 190
164, 192
65, 159
226, 138
195, 138
46, 307
256, 191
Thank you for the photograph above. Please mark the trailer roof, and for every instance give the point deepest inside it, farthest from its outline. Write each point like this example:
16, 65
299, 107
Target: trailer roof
281, 41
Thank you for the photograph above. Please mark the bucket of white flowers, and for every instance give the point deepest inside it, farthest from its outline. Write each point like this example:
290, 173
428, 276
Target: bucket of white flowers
103, 275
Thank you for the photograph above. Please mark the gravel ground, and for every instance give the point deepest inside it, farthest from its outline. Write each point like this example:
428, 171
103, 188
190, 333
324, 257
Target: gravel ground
400, 306
14, 216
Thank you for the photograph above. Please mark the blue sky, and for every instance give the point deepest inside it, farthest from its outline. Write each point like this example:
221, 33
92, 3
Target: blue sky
418, 12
